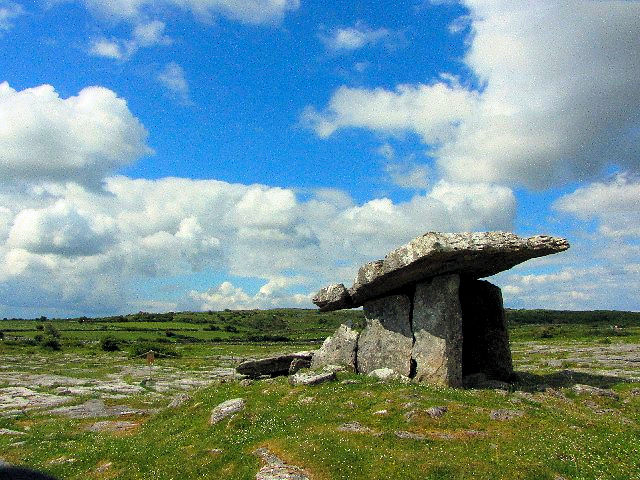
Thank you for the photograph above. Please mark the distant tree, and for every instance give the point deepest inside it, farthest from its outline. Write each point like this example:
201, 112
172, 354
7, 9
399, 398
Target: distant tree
52, 331
39, 338
1, 335
51, 343
40, 327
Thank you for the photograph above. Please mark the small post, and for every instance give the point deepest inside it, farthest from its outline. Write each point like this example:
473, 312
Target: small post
151, 357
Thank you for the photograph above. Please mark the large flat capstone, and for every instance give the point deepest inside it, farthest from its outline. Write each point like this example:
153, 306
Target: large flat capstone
471, 255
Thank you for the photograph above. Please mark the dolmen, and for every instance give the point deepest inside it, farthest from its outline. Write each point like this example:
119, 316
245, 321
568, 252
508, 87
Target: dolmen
428, 315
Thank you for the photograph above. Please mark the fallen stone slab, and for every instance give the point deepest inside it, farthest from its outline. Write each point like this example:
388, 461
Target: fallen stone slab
272, 366
309, 378
473, 255
276, 469
179, 400
298, 364
354, 427
226, 409
410, 435
504, 414
339, 349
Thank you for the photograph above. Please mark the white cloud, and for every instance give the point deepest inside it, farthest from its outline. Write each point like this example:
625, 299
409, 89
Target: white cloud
81, 138
408, 175
614, 204
9, 11
173, 79
144, 35
560, 96
65, 243
353, 38
247, 11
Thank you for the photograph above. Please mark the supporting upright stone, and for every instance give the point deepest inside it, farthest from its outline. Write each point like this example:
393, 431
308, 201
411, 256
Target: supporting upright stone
437, 328
486, 341
339, 349
387, 340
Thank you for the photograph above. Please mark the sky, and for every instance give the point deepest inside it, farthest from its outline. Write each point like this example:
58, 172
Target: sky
177, 155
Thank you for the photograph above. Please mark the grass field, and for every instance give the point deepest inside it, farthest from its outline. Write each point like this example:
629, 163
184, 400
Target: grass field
542, 427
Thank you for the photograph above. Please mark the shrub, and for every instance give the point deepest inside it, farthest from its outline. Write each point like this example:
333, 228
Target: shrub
141, 348
211, 327
40, 327
51, 331
38, 338
230, 329
51, 343
109, 344
1, 335
169, 333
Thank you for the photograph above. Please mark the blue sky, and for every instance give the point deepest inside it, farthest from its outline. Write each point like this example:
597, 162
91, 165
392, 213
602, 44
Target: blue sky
210, 154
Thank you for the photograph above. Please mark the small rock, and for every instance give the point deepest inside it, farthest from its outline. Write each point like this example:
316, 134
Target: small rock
6, 431
111, 426
311, 378
179, 400
436, 412
215, 451
410, 414
245, 382
601, 392
349, 381
504, 414
411, 435
226, 409
381, 412
306, 400
276, 469
103, 467
354, 427
386, 374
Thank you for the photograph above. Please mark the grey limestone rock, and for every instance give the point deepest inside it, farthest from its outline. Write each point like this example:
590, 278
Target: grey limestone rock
304, 378
179, 400
474, 255
299, 364
333, 297
95, 408
276, 469
339, 349
437, 327
387, 339
226, 409
272, 366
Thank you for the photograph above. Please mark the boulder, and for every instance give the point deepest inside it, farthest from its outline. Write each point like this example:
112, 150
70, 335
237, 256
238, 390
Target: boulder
307, 378
272, 366
437, 328
299, 364
387, 339
339, 349
484, 329
275, 468
473, 255
226, 409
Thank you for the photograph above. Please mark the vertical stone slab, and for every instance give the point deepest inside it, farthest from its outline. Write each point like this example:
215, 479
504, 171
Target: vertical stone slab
386, 341
486, 340
339, 349
437, 328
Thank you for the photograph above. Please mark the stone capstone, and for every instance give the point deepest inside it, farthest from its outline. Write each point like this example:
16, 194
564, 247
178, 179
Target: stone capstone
339, 349
387, 340
272, 366
473, 255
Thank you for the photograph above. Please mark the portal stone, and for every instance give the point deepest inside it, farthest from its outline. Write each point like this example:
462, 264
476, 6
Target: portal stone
437, 327
340, 349
486, 341
387, 339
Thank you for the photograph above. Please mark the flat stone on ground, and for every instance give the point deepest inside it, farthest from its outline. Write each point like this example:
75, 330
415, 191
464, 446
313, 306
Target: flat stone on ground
310, 378
276, 469
226, 409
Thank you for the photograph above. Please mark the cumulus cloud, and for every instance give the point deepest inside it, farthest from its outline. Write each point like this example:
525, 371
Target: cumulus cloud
9, 11
615, 205
81, 138
64, 243
173, 78
353, 38
247, 11
559, 96
408, 175
144, 35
